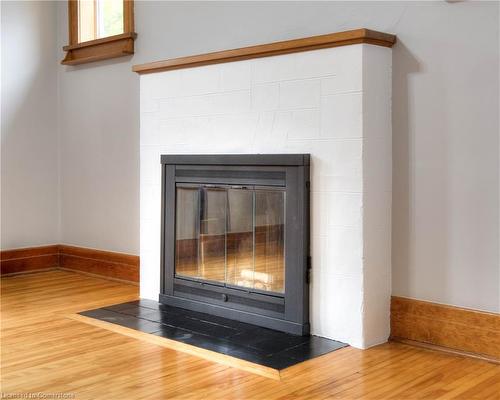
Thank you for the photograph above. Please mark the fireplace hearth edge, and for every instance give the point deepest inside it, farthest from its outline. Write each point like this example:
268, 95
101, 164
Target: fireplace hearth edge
277, 187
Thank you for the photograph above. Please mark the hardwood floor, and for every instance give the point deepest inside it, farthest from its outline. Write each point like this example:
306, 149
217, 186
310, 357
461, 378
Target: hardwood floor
44, 351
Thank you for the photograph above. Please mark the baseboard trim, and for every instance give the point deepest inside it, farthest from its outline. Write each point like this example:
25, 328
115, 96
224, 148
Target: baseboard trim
98, 262
420, 323
29, 259
467, 331
105, 264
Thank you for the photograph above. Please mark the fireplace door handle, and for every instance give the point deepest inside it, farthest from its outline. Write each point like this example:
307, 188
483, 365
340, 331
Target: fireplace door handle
239, 187
212, 186
208, 186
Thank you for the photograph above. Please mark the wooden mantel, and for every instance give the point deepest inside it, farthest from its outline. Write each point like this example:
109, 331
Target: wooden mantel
271, 49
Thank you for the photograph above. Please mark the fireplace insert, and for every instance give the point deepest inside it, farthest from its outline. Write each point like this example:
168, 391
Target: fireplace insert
235, 237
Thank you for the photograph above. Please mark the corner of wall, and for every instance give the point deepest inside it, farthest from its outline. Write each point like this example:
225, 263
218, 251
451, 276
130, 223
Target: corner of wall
29, 144
377, 194
58, 29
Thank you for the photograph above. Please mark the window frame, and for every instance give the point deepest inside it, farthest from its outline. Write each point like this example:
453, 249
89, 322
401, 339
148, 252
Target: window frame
103, 48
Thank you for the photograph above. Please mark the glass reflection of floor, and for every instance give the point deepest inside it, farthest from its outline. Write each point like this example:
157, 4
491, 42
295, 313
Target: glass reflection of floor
265, 271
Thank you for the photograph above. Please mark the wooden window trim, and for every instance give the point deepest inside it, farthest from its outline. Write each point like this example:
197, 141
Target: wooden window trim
99, 49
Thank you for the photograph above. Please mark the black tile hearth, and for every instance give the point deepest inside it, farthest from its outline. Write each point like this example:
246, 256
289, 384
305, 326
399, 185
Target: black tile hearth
274, 349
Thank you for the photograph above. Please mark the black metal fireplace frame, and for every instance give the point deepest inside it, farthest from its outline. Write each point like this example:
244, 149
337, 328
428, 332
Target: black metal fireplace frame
288, 312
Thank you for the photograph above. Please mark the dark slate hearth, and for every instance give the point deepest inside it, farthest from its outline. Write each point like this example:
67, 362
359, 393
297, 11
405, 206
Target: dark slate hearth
262, 346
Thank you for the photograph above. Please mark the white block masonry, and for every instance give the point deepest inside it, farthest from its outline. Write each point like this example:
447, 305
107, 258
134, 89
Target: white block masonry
334, 104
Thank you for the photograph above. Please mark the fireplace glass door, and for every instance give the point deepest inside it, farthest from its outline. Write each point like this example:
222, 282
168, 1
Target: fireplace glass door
231, 236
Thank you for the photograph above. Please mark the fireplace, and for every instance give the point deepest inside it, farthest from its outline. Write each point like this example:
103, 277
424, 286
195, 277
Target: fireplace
327, 96
235, 237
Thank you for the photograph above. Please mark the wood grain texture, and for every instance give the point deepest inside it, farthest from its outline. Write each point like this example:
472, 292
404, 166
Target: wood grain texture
98, 262
119, 266
448, 350
271, 49
182, 347
29, 259
44, 351
457, 328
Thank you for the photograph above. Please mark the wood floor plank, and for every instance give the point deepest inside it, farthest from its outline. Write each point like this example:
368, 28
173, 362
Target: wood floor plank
179, 346
44, 351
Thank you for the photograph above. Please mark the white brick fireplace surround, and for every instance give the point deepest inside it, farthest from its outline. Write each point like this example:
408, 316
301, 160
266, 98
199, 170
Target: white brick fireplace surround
334, 103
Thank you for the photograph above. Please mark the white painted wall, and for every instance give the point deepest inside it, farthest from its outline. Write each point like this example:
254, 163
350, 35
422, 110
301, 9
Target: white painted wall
29, 176
99, 150
445, 130
334, 104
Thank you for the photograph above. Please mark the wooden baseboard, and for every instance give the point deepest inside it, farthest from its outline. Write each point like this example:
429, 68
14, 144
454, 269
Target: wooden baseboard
98, 262
465, 330
29, 259
111, 265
